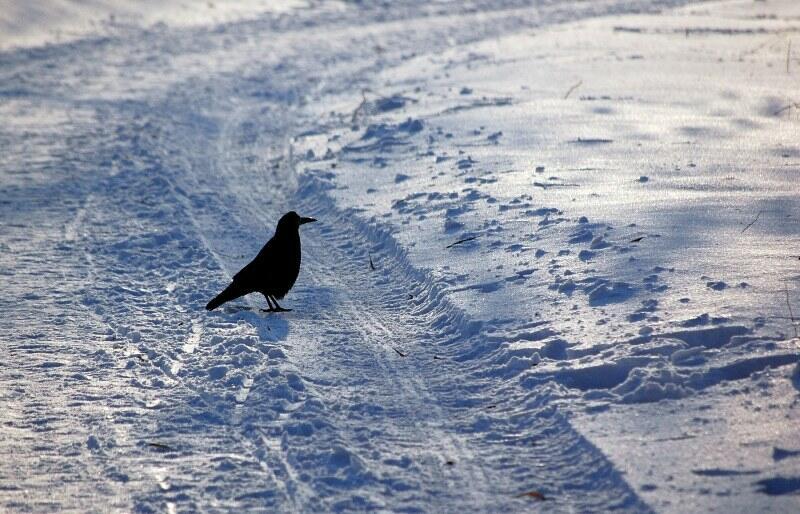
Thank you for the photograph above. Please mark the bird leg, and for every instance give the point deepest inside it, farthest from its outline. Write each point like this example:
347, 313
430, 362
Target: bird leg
269, 302
278, 308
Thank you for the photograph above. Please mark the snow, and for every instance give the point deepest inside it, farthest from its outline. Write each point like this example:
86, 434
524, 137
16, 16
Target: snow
555, 268
39, 22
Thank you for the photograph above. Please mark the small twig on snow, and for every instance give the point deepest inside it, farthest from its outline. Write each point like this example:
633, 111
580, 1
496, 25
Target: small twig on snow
159, 446
573, 88
796, 105
752, 222
789, 304
461, 241
371, 265
360, 106
534, 495
401, 354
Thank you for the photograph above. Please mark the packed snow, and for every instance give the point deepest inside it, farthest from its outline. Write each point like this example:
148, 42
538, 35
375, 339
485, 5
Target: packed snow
556, 268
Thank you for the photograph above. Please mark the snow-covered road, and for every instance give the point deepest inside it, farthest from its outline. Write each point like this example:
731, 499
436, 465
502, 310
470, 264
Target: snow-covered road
140, 169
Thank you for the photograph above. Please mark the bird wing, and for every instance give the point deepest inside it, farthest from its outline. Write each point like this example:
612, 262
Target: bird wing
256, 268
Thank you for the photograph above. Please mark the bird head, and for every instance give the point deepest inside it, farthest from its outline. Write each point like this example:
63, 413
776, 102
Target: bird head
292, 221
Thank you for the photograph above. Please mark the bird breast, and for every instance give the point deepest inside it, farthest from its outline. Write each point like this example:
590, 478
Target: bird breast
285, 266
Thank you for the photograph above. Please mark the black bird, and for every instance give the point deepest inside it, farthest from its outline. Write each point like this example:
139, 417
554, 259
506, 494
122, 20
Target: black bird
273, 271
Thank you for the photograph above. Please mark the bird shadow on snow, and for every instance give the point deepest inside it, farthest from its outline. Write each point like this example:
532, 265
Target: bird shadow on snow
271, 326
274, 326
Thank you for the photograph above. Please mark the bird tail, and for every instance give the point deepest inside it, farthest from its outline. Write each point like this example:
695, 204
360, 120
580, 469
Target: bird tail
231, 292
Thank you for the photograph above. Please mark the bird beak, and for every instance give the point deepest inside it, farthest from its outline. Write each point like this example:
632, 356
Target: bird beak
303, 221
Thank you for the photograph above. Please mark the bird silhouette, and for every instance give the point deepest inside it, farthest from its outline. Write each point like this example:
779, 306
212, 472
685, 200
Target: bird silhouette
273, 271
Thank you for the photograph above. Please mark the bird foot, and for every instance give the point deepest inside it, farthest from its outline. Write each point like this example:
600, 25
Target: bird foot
279, 309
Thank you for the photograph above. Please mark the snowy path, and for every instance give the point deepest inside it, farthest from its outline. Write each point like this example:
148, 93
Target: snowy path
123, 393
139, 171
357, 425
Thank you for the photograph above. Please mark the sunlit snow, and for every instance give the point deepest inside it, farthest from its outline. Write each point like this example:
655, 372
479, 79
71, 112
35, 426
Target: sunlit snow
556, 268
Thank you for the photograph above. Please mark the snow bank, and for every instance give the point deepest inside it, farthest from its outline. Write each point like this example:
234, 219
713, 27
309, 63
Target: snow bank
38, 22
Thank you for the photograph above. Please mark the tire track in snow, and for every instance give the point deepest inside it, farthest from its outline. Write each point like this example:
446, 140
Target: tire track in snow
138, 253
261, 446
244, 183
327, 344
495, 454
71, 424
413, 388
423, 430
77, 428
388, 323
